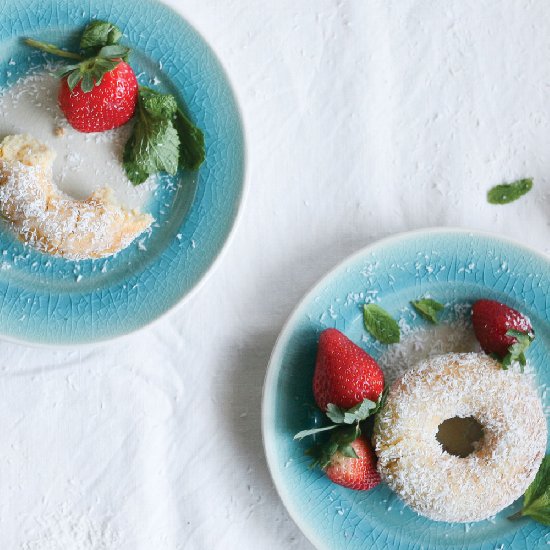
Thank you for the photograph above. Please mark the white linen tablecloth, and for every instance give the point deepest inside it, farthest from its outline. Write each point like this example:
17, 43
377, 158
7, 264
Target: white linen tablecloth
363, 119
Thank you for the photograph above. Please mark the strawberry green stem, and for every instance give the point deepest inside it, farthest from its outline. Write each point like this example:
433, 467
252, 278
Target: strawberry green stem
50, 48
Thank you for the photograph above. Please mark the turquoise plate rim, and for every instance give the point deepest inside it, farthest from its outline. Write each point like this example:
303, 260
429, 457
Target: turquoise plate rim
239, 165
268, 417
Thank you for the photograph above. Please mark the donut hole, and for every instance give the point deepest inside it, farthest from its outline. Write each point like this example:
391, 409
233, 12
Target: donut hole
459, 436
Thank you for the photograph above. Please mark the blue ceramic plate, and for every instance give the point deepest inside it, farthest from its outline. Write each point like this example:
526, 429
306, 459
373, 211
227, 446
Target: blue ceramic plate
55, 301
452, 266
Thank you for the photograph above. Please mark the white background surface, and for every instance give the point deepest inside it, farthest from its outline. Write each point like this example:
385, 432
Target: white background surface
363, 119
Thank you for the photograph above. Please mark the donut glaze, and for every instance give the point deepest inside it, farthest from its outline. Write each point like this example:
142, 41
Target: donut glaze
445, 487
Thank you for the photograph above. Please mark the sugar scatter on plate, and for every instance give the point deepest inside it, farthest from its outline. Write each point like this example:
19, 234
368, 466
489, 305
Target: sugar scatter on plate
84, 162
454, 335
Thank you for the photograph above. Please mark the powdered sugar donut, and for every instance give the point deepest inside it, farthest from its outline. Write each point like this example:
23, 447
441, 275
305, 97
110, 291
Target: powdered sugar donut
53, 222
443, 486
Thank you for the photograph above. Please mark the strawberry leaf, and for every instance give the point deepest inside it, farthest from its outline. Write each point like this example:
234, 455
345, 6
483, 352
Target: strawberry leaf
335, 413
340, 441
380, 324
313, 431
428, 308
114, 52
358, 412
87, 83
345, 430
64, 71
516, 352
102, 54
73, 79
322, 455
98, 34
349, 451
89, 73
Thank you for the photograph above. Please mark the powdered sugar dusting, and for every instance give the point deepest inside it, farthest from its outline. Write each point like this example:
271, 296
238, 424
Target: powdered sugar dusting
421, 343
53, 222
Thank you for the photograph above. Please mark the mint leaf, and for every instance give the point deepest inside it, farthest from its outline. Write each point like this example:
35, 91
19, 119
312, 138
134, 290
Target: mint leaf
428, 308
536, 500
98, 34
154, 144
509, 192
313, 431
162, 138
380, 324
516, 352
192, 150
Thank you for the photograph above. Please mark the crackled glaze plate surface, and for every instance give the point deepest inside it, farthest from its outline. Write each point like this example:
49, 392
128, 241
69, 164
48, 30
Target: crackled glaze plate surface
454, 267
55, 301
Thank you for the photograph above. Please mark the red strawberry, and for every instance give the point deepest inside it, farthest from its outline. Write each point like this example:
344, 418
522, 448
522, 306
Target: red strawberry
345, 375
107, 105
355, 473
99, 92
492, 320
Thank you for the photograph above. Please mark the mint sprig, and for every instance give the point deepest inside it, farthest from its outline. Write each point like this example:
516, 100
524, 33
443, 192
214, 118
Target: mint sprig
380, 324
429, 309
516, 352
158, 142
509, 192
154, 144
536, 500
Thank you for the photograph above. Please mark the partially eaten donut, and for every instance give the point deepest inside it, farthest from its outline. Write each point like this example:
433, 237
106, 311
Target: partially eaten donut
51, 221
